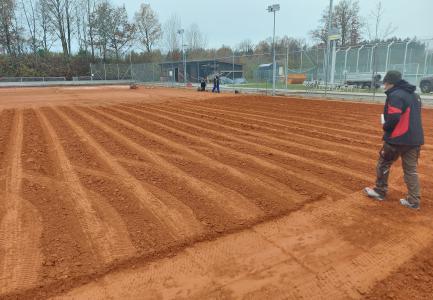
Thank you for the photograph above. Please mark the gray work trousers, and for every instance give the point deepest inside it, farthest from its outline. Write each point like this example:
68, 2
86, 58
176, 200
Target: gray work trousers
409, 156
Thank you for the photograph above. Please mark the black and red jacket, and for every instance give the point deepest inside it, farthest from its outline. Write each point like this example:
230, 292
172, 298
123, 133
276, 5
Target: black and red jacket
403, 125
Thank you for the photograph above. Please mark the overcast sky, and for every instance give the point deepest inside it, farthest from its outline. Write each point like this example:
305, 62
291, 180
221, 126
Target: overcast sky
230, 21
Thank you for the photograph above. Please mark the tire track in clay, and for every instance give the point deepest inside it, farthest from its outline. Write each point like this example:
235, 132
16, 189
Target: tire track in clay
298, 180
107, 240
285, 127
314, 165
237, 208
216, 199
65, 252
176, 223
20, 227
287, 140
307, 255
143, 229
263, 186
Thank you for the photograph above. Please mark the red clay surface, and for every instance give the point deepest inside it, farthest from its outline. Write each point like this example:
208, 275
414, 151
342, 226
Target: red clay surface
151, 194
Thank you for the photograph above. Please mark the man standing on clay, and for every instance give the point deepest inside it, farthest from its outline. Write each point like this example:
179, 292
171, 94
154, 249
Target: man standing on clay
403, 136
216, 84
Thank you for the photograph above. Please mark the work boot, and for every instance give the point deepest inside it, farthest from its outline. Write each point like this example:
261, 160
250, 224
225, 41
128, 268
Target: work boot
372, 193
406, 203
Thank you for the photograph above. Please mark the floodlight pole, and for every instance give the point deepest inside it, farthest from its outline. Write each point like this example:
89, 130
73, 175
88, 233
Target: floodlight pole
273, 8
286, 75
274, 66
181, 31
328, 45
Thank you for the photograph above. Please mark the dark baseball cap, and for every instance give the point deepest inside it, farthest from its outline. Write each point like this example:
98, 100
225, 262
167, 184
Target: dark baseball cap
392, 77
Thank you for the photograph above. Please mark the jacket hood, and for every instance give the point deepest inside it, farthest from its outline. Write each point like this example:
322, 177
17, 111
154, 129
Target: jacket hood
403, 85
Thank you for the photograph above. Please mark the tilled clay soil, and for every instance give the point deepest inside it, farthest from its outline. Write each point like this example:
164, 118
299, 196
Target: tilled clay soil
175, 194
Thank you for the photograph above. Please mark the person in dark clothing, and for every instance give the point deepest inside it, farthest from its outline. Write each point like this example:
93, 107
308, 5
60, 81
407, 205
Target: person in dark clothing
403, 137
216, 84
203, 85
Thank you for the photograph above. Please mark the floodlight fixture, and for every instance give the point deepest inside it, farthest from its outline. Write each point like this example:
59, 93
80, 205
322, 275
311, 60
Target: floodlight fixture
273, 9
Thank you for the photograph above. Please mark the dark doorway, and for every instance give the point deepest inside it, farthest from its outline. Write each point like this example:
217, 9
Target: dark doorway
176, 74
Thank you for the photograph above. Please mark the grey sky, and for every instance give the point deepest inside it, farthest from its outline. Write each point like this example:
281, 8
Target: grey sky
230, 21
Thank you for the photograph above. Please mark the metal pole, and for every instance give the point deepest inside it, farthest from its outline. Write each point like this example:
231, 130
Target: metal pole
387, 56
405, 57
328, 46
118, 73
105, 73
233, 67
357, 59
300, 67
345, 59
184, 61
274, 63
334, 56
287, 67
426, 58
371, 58
91, 73
130, 66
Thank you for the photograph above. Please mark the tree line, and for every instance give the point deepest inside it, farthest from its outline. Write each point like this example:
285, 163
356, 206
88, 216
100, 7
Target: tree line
61, 37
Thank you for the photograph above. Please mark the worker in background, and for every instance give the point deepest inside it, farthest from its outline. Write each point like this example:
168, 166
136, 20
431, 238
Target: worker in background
203, 84
403, 137
216, 84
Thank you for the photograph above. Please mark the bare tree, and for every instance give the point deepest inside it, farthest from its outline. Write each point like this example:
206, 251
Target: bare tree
101, 26
195, 38
264, 47
375, 30
59, 14
121, 31
111, 29
148, 27
45, 27
8, 26
90, 7
346, 19
29, 8
246, 47
224, 51
171, 38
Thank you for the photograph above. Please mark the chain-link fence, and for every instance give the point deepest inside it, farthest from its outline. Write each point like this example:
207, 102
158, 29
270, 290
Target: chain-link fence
356, 68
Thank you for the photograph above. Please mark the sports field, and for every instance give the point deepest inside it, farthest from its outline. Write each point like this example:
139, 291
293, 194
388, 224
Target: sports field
112, 193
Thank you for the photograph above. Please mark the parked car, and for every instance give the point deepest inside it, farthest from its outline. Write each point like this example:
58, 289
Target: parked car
240, 80
426, 85
225, 80
363, 80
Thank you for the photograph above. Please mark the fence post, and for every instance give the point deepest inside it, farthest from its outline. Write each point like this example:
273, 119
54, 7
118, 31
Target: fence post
130, 66
387, 56
118, 74
345, 59
426, 49
357, 59
91, 72
300, 68
405, 57
286, 71
233, 68
105, 73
